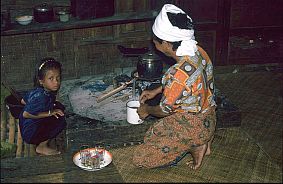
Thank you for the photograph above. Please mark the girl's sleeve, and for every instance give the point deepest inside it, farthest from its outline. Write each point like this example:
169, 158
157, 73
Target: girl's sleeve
25, 97
35, 104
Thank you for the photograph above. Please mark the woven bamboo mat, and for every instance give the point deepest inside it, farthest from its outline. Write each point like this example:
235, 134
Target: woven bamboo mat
234, 158
258, 95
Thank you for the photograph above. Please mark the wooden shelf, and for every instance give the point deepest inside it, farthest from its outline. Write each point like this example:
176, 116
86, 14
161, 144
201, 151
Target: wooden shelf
255, 29
75, 23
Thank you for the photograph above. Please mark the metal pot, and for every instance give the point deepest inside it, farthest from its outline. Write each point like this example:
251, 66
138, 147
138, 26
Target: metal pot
43, 13
149, 66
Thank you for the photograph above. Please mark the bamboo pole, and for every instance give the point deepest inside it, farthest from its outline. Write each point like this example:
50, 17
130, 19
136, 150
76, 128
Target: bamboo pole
26, 149
12, 129
3, 122
112, 92
19, 143
32, 151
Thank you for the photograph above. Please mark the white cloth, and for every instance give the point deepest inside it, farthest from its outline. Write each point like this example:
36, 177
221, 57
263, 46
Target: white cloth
164, 30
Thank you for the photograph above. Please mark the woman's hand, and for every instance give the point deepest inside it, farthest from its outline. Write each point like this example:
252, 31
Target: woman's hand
143, 111
57, 113
149, 94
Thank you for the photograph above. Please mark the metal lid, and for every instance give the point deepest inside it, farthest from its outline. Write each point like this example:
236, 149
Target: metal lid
43, 7
150, 56
63, 12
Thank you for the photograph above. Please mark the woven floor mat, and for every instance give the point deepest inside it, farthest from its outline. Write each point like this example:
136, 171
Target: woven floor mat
258, 95
234, 158
266, 130
258, 82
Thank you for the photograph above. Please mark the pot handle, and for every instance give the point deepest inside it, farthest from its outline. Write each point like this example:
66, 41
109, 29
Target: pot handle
133, 73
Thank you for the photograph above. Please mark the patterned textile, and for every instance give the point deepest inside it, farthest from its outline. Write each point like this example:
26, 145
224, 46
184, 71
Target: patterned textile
188, 85
170, 137
188, 96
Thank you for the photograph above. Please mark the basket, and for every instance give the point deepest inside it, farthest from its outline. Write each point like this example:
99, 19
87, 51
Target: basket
14, 106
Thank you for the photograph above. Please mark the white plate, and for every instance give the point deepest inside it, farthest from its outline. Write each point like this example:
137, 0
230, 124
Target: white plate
107, 160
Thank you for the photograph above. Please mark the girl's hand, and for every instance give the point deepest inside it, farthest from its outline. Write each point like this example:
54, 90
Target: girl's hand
143, 111
57, 113
23, 101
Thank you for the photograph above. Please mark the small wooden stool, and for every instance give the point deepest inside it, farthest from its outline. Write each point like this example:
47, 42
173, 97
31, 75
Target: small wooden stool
14, 136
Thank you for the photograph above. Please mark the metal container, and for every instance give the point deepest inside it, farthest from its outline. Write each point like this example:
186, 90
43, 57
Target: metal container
149, 66
43, 13
64, 16
132, 115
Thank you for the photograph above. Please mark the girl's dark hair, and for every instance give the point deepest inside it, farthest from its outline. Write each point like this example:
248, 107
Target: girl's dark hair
179, 20
43, 66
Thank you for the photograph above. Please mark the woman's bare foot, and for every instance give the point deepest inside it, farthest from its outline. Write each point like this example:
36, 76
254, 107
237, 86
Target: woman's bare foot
43, 149
208, 150
197, 154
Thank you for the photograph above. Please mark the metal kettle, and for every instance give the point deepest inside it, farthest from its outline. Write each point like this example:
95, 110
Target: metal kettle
43, 13
149, 66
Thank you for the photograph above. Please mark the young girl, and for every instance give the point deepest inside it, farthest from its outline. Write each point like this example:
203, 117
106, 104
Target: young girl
41, 119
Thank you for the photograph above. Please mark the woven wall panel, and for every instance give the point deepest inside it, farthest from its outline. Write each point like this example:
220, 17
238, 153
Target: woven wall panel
20, 53
80, 51
132, 5
134, 31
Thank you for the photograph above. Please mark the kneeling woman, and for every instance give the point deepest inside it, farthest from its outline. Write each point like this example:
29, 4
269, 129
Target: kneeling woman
187, 107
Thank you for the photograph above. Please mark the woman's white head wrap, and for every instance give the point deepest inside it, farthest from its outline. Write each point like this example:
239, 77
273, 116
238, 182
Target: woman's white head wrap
164, 30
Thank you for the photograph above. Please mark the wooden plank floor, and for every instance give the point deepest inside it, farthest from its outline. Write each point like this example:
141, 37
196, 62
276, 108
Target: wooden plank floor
261, 128
53, 169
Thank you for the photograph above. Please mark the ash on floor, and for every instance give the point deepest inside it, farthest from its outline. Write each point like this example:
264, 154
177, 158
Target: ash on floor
83, 100
80, 97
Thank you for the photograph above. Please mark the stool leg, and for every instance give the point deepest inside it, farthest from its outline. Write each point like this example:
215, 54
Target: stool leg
19, 143
29, 149
12, 129
32, 151
3, 123
26, 149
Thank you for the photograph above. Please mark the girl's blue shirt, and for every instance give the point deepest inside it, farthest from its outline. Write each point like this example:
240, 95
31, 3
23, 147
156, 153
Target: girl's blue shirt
37, 100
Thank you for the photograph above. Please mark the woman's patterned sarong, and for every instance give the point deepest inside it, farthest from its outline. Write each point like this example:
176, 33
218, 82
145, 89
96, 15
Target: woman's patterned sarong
169, 139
